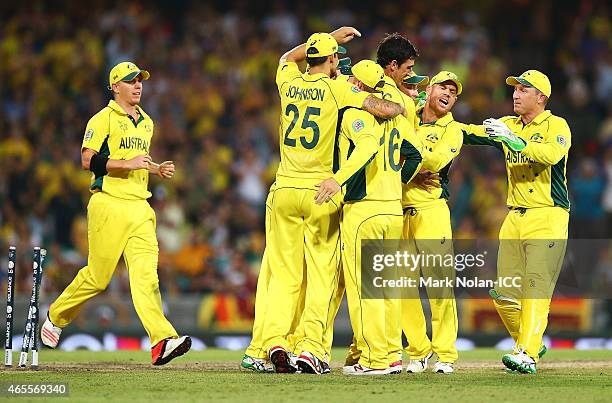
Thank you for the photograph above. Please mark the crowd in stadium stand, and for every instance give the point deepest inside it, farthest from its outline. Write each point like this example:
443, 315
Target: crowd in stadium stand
215, 105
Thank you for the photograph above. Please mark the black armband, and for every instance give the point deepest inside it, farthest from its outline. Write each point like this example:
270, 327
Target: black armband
97, 165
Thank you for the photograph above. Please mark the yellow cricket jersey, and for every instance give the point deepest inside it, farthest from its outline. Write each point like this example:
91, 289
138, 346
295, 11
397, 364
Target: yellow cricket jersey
443, 139
412, 148
114, 134
309, 117
537, 174
374, 154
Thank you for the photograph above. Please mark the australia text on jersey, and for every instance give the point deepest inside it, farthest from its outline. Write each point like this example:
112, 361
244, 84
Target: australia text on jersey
134, 143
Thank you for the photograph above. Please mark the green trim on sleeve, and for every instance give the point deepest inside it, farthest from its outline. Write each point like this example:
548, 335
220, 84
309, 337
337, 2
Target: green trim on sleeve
558, 185
356, 184
444, 181
412, 161
336, 159
474, 140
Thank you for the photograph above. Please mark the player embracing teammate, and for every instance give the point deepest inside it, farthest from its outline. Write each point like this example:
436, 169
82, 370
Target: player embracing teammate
346, 146
302, 237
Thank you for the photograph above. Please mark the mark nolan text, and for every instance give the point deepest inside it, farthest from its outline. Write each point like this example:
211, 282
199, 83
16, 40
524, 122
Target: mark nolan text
464, 282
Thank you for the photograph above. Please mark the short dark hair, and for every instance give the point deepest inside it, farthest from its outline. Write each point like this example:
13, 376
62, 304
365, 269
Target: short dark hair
315, 61
395, 47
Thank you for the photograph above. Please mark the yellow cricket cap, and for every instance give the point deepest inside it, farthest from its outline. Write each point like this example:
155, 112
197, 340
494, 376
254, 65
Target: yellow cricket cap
532, 78
125, 71
413, 78
369, 72
447, 76
322, 44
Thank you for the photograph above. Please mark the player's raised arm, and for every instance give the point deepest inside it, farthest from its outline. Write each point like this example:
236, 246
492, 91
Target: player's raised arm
298, 54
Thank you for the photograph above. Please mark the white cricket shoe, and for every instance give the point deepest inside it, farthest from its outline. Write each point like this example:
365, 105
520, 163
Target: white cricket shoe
255, 364
395, 368
308, 363
519, 361
50, 334
168, 349
418, 366
293, 358
359, 369
443, 368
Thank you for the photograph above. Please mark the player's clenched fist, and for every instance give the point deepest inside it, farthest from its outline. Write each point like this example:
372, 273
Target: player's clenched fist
345, 34
139, 162
166, 169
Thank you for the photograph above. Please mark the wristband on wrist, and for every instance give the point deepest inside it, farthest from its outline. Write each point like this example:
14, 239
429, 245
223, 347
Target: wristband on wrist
97, 165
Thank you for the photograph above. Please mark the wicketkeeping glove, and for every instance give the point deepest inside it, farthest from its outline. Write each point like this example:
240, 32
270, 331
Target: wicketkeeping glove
344, 65
498, 131
420, 99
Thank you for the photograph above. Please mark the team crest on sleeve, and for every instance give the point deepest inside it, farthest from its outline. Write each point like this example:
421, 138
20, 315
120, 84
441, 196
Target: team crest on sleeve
561, 140
89, 134
355, 89
358, 125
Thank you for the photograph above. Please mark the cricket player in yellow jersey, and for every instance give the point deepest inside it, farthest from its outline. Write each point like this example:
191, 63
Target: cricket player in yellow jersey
397, 56
300, 230
533, 236
255, 357
427, 229
372, 210
120, 221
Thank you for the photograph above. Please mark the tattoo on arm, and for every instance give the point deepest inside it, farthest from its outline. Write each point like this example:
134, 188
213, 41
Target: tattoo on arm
381, 107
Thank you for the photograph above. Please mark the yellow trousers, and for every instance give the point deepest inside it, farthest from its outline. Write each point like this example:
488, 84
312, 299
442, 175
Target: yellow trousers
532, 248
428, 230
375, 322
118, 227
301, 233
296, 330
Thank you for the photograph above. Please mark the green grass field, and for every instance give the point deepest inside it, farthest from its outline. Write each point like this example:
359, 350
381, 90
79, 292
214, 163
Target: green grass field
564, 375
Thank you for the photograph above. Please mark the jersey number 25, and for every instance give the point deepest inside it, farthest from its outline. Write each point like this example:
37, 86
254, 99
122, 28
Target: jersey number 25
306, 124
